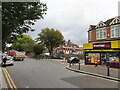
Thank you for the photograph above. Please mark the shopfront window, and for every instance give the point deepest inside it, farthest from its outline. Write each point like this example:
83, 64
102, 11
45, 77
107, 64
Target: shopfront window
113, 57
91, 57
104, 58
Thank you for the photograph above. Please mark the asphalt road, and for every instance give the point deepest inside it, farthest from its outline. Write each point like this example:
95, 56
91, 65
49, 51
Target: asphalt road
32, 73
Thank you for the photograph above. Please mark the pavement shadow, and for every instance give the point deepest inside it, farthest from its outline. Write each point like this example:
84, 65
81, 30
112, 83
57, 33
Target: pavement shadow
6, 65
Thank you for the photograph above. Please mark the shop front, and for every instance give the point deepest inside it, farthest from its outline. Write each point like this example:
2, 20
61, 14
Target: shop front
105, 53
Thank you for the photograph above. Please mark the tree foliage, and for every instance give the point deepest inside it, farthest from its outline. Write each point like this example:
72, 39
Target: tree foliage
17, 18
24, 43
51, 38
38, 49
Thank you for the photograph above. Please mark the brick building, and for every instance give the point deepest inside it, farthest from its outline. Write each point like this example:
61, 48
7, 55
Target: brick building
104, 43
69, 48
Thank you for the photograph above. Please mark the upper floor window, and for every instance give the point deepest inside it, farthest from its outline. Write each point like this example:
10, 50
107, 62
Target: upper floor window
90, 35
115, 31
101, 33
97, 34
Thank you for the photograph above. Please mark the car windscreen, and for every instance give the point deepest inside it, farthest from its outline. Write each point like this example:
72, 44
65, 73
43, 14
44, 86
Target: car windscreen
9, 57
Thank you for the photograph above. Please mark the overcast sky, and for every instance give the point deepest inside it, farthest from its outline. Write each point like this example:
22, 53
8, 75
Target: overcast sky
73, 17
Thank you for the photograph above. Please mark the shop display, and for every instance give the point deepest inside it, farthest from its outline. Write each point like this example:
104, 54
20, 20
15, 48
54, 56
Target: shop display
92, 57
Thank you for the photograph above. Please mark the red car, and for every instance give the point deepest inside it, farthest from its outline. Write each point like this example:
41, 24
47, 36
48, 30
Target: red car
11, 53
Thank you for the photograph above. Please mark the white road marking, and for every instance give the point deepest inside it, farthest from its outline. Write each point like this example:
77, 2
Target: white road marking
27, 86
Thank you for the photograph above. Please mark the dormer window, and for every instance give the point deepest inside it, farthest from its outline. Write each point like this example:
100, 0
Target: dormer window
100, 24
115, 21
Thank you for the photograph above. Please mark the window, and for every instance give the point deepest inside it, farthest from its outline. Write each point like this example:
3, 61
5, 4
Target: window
115, 31
112, 31
90, 35
104, 33
113, 57
97, 34
101, 33
91, 57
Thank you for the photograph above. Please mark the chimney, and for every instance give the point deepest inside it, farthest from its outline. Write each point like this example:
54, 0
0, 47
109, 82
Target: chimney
119, 8
68, 42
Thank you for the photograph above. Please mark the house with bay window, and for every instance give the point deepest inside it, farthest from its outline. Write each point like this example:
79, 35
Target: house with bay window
69, 48
104, 31
104, 43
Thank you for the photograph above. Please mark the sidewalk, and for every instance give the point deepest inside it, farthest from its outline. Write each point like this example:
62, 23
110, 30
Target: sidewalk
1, 78
100, 71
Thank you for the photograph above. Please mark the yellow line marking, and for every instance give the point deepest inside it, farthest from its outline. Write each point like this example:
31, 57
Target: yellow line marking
11, 80
7, 78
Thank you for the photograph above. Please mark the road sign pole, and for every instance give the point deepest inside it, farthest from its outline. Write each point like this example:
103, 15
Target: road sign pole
108, 71
79, 65
70, 64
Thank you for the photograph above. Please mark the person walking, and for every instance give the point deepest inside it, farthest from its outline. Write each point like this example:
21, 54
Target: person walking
4, 60
96, 62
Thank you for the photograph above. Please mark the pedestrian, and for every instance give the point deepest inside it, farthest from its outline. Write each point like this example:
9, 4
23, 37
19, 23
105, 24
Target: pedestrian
4, 60
96, 62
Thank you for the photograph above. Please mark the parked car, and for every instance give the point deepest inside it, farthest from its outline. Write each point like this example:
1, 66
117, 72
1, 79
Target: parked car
73, 60
19, 56
11, 53
9, 60
56, 56
4, 54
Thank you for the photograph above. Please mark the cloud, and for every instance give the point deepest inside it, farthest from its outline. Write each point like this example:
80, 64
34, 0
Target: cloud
73, 17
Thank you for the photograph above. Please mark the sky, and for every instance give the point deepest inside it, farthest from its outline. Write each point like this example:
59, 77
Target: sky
73, 17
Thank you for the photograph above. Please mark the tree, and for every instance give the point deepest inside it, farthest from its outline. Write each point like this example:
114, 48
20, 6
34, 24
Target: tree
38, 49
51, 38
17, 18
23, 43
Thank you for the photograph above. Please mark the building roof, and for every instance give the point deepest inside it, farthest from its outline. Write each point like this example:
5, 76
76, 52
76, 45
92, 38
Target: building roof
92, 27
69, 42
107, 23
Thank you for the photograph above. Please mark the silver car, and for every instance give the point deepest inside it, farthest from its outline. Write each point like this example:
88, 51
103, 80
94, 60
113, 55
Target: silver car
9, 61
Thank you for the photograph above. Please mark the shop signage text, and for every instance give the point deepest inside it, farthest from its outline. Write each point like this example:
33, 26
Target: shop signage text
102, 45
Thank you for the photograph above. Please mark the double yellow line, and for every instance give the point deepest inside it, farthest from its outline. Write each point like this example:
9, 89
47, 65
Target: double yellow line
9, 80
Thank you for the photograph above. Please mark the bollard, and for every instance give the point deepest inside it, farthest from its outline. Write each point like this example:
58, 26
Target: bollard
70, 64
108, 71
79, 65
